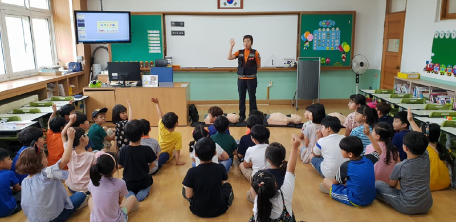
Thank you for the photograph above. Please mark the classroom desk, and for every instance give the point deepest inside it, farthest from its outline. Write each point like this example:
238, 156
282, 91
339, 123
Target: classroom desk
438, 121
24, 117
173, 97
449, 130
393, 100
412, 106
57, 103
82, 99
42, 109
367, 91
426, 113
20, 125
74, 99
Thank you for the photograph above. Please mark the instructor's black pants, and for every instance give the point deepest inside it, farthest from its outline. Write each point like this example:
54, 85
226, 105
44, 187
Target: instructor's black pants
245, 85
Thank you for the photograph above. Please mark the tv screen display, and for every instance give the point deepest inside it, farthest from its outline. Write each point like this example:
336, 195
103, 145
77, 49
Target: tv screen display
102, 27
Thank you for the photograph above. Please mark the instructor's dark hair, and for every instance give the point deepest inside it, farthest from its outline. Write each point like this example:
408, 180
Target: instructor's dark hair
248, 37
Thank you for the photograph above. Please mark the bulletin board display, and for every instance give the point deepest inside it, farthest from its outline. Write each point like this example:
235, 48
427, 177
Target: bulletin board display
329, 35
146, 40
443, 58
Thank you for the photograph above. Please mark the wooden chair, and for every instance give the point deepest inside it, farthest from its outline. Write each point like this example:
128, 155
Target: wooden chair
413, 101
448, 123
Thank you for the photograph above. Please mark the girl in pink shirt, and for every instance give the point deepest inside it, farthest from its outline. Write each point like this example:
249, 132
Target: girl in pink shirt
80, 162
108, 202
383, 133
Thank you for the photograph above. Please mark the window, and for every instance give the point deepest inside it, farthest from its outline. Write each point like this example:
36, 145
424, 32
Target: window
41, 4
15, 2
20, 43
26, 37
396, 6
43, 44
448, 10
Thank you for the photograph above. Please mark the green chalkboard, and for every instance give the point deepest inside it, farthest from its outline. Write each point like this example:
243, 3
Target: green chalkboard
321, 35
146, 40
443, 48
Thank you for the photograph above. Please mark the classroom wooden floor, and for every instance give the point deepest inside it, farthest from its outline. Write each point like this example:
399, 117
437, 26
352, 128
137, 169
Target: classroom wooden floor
166, 203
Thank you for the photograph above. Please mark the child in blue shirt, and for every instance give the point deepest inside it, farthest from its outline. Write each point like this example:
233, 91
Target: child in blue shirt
26, 137
401, 126
364, 114
212, 114
10, 199
354, 184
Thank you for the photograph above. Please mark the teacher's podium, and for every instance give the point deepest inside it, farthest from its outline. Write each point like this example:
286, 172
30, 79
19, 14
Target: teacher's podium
172, 96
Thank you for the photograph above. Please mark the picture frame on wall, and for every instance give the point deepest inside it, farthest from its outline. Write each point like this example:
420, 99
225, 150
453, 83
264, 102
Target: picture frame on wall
230, 4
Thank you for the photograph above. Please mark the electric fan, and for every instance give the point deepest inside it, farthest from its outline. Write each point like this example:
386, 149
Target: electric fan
359, 67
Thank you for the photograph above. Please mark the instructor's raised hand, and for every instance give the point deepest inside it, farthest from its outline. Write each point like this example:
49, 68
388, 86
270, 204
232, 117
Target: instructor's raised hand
232, 43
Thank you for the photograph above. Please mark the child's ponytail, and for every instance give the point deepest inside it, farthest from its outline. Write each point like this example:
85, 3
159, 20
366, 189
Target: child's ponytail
106, 163
265, 186
95, 175
385, 131
197, 133
433, 132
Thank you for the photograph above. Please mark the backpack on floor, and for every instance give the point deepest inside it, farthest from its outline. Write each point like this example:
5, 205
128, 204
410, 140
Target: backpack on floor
193, 113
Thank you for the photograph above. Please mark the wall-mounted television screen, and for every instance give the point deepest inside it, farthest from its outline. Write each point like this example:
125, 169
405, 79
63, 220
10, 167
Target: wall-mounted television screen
102, 27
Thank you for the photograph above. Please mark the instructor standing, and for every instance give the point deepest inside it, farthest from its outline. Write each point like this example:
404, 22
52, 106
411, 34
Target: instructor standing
249, 61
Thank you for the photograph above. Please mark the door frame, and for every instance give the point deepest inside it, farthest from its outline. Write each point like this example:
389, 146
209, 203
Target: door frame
385, 39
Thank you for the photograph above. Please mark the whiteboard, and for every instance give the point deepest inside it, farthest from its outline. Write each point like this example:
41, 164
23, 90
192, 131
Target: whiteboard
206, 40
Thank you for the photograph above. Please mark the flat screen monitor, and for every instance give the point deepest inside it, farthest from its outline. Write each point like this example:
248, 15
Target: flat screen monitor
124, 71
102, 27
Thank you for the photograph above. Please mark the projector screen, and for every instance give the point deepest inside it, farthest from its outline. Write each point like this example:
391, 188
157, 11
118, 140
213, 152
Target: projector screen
102, 27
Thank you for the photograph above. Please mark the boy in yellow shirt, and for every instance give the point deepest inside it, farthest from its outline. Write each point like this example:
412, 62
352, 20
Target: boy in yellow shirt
169, 140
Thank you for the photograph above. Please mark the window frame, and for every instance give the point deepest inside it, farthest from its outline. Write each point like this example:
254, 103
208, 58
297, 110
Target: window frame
444, 11
31, 13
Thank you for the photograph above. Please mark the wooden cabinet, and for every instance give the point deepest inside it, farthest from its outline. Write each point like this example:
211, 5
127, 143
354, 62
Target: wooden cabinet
100, 99
173, 98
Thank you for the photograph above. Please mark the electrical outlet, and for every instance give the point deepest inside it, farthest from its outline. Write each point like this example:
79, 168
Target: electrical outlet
270, 84
376, 75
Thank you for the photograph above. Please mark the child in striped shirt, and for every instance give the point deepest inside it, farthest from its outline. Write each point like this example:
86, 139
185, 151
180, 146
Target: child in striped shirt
364, 114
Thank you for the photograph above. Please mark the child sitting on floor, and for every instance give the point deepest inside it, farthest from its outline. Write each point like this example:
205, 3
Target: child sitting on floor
441, 161
151, 142
108, 202
10, 189
99, 134
44, 197
382, 133
255, 158
401, 126
308, 138
364, 114
383, 110
355, 181
222, 138
271, 202
170, 141
26, 137
246, 140
221, 156
212, 114
137, 161
413, 173
326, 157
206, 186
356, 100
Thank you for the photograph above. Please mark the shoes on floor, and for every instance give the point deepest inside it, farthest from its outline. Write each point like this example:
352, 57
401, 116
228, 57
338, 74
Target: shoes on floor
241, 118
